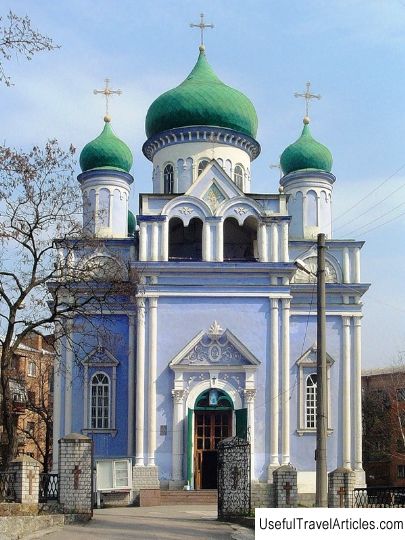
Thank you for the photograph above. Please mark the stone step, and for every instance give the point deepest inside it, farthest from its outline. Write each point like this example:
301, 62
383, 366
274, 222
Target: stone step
203, 496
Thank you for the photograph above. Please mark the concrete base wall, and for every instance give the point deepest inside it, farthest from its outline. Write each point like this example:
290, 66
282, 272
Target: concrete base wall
262, 495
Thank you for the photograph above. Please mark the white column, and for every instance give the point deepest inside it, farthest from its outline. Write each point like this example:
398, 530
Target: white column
284, 241
177, 442
143, 241
285, 399
155, 241
274, 392
140, 383
250, 405
165, 241
56, 400
346, 401
274, 242
152, 379
358, 454
68, 377
304, 213
356, 265
262, 238
206, 239
220, 241
131, 383
346, 265
86, 397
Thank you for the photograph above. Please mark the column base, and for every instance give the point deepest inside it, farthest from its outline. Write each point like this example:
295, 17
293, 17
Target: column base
360, 481
270, 470
176, 484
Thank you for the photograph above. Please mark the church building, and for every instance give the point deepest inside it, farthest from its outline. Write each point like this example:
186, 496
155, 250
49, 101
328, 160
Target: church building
220, 338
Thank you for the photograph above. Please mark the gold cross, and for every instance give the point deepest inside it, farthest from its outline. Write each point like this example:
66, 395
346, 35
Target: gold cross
277, 166
307, 96
108, 92
202, 26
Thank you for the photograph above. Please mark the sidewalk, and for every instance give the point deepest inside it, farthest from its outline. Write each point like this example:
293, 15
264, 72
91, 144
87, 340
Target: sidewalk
158, 522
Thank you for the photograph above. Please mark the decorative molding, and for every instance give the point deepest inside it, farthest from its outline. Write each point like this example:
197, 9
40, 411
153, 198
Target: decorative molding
240, 210
186, 210
178, 396
215, 330
250, 395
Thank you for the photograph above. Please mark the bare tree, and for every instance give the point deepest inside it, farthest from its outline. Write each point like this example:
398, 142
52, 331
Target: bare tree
18, 38
46, 282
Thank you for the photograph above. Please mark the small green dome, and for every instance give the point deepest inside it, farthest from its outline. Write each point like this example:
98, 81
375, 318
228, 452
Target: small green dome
306, 153
131, 223
202, 100
107, 151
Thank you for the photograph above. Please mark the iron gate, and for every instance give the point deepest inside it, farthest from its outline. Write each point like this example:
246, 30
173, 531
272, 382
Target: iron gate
233, 478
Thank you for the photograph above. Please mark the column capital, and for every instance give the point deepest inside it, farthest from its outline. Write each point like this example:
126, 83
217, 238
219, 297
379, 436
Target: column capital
357, 321
153, 301
274, 303
178, 396
346, 320
250, 395
286, 303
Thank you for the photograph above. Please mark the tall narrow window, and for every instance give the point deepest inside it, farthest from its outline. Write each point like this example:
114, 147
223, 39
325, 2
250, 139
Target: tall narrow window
201, 166
100, 401
238, 176
168, 176
310, 401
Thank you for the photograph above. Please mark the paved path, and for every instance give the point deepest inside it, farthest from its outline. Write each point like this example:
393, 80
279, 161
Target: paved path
158, 522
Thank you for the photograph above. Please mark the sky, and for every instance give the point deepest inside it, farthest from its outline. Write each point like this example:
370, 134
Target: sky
352, 51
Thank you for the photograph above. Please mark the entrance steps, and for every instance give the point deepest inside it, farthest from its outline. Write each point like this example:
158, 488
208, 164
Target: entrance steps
200, 496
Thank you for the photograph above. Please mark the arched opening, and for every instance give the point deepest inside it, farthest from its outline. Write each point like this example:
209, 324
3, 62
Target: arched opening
310, 401
240, 242
185, 243
238, 176
168, 178
201, 166
212, 423
312, 209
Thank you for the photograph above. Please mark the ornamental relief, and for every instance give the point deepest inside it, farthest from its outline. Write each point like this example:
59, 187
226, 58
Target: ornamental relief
213, 349
312, 265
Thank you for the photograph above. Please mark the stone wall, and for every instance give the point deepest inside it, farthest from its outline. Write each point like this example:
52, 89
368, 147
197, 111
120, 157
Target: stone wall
262, 495
285, 487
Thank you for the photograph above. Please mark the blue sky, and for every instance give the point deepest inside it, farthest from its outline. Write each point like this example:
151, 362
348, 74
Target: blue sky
352, 51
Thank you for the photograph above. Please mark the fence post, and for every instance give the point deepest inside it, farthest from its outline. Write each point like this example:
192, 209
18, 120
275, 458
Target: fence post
341, 483
285, 487
26, 486
75, 474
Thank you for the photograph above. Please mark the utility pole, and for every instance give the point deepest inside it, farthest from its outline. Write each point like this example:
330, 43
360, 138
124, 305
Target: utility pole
322, 382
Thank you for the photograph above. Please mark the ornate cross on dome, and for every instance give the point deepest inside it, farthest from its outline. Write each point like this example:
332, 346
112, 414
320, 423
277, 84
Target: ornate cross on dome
202, 26
108, 92
307, 96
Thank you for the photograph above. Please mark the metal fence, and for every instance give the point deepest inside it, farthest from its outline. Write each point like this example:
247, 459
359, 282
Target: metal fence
7, 486
48, 487
233, 478
379, 497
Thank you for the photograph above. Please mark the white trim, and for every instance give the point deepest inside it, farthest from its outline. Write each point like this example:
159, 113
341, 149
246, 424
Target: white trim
219, 384
131, 383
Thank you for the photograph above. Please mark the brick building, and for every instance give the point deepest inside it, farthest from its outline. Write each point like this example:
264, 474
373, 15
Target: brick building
384, 426
33, 397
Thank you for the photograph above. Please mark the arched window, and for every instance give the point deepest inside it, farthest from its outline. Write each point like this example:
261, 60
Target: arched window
201, 166
168, 177
100, 401
310, 401
312, 209
238, 176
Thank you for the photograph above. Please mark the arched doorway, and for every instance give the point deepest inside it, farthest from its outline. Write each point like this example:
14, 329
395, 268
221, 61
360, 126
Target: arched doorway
185, 243
213, 415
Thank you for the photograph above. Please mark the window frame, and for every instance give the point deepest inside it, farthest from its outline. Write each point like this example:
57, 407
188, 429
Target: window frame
201, 169
401, 471
306, 365
113, 469
97, 406
168, 179
31, 373
311, 410
240, 175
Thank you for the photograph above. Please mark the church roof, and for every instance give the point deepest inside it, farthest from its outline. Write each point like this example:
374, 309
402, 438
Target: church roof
131, 223
306, 153
106, 151
202, 99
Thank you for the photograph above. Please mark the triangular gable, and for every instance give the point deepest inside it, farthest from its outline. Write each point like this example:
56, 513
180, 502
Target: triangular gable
214, 183
216, 347
99, 357
308, 359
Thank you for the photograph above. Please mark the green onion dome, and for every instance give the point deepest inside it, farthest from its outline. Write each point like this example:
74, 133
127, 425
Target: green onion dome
306, 153
107, 151
131, 223
202, 100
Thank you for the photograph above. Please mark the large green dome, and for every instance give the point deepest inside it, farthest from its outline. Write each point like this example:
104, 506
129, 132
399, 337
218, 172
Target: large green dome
306, 153
202, 100
107, 151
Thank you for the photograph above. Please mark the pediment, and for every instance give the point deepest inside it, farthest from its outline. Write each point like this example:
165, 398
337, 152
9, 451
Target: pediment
99, 357
214, 347
309, 358
214, 186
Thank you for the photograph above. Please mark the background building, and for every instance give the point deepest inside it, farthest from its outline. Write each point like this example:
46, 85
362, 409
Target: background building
384, 426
